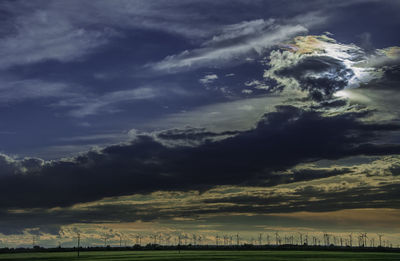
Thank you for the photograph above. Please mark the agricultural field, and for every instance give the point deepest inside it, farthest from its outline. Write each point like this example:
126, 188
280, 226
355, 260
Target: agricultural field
204, 255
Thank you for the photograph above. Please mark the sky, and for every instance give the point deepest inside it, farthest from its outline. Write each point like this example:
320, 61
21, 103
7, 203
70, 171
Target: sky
149, 117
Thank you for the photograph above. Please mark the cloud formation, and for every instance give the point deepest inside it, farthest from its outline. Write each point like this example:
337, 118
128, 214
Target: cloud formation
259, 119
209, 78
305, 190
44, 35
107, 103
233, 48
319, 66
281, 140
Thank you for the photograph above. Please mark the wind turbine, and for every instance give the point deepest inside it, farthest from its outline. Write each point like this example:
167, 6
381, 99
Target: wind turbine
314, 240
351, 239
251, 240
194, 239
277, 239
168, 239
301, 238
120, 240
225, 240
380, 239
138, 239
153, 239
179, 240
79, 241
59, 240
105, 240
199, 239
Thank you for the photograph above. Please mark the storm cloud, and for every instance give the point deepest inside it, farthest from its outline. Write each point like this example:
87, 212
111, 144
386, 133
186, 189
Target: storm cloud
281, 140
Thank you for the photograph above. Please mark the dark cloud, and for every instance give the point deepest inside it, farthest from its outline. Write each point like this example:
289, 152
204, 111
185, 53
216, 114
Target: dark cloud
392, 74
395, 170
281, 140
321, 76
304, 175
312, 198
190, 136
334, 103
9, 166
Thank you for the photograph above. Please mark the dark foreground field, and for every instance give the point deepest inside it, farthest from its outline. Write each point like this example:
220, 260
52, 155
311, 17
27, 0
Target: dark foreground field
205, 255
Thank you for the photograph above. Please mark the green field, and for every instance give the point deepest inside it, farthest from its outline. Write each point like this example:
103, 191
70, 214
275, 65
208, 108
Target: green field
204, 255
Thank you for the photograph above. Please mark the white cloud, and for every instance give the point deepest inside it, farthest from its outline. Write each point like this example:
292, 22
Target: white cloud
37, 31
246, 107
241, 29
252, 83
68, 30
81, 106
215, 56
114, 137
247, 91
21, 90
233, 115
43, 35
256, 84
107, 103
208, 78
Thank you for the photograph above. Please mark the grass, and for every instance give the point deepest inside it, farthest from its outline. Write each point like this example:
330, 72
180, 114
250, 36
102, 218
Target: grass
204, 255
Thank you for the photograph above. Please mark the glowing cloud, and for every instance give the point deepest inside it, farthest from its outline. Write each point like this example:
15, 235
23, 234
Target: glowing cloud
321, 66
